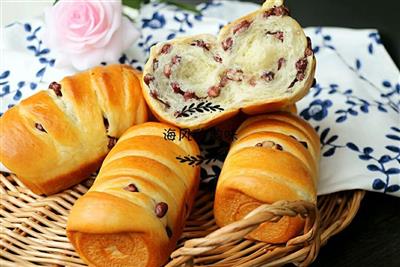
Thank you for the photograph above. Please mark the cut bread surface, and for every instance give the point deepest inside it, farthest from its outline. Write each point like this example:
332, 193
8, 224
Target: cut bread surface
261, 58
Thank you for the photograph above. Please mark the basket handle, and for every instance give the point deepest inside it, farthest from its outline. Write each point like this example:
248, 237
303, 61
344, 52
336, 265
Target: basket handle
184, 256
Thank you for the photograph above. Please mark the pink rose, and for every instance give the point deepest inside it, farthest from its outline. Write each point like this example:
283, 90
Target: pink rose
84, 33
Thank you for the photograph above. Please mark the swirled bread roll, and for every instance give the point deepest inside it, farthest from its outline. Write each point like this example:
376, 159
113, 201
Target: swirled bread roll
136, 209
275, 157
58, 137
258, 63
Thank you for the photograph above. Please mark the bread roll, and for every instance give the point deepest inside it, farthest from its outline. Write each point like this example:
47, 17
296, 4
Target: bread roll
275, 157
136, 209
58, 137
258, 63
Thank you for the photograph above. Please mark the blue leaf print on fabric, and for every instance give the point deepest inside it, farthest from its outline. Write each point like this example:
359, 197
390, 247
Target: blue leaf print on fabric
358, 64
355, 104
27, 27
5, 90
157, 21
17, 95
146, 44
171, 36
124, 59
394, 149
5, 75
380, 163
40, 72
326, 44
375, 40
33, 86
352, 146
41, 53
328, 145
317, 110
198, 17
21, 84
378, 184
32, 48
370, 48
393, 188
393, 137
386, 84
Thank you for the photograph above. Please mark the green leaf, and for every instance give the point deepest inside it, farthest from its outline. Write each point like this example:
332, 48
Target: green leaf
133, 3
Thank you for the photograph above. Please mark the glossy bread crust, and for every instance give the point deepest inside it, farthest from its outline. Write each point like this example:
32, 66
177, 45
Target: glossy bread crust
116, 222
275, 157
58, 137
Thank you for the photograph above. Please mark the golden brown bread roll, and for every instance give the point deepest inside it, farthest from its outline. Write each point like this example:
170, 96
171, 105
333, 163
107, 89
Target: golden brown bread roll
135, 211
58, 137
259, 63
275, 157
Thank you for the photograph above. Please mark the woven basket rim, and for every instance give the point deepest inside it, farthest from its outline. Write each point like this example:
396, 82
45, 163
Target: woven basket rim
32, 230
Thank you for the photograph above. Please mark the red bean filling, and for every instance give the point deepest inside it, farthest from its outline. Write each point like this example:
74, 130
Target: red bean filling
224, 81
268, 76
176, 59
186, 95
111, 141
281, 61
201, 43
234, 75
301, 64
40, 127
218, 59
190, 95
155, 64
105, 122
279, 147
242, 26
301, 142
278, 35
166, 49
277, 11
214, 91
176, 87
161, 209
293, 82
148, 78
131, 188
227, 43
304, 144
155, 95
167, 70
56, 87
308, 52
253, 81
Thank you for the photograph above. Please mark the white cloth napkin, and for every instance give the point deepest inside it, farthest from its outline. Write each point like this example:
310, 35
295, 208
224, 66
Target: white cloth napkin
354, 106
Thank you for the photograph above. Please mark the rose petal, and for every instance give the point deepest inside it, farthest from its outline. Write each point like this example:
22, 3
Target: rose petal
85, 33
88, 60
122, 39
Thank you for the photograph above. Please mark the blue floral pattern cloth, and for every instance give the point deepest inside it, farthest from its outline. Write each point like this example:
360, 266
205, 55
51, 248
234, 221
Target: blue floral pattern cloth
354, 105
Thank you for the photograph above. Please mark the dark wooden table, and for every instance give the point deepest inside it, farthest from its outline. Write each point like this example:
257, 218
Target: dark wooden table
373, 238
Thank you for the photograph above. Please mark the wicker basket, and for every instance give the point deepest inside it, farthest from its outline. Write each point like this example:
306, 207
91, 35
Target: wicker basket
33, 230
